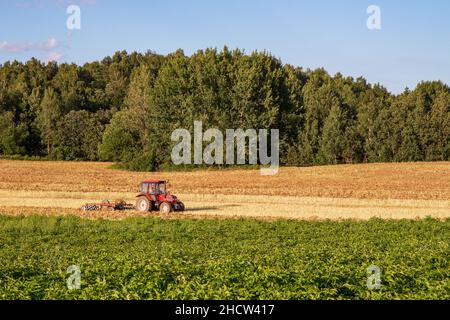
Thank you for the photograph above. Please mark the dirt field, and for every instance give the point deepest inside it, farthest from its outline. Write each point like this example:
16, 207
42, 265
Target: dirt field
391, 191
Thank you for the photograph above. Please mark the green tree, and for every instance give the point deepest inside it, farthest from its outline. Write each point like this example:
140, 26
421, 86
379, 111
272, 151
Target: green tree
12, 135
439, 139
319, 95
373, 124
79, 135
338, 137
127, 138
47, 119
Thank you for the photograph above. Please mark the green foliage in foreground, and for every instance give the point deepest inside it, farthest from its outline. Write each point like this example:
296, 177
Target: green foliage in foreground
234, 259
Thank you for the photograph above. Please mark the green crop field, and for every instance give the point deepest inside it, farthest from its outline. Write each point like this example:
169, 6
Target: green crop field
153, 258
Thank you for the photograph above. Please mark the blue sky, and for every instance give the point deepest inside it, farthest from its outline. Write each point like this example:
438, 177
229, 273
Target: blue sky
412, 45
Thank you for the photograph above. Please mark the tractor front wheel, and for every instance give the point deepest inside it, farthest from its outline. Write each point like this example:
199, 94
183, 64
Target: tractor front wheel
143, 205
165, 208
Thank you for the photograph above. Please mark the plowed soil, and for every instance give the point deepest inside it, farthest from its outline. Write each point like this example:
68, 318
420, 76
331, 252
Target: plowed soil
388, 191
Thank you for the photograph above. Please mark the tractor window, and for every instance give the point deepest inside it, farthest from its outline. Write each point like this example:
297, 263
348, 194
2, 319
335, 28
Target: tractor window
161, 187
144, 187
152, 188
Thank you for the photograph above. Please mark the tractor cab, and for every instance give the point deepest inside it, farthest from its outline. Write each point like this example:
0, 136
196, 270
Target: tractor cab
153, 195
153, 187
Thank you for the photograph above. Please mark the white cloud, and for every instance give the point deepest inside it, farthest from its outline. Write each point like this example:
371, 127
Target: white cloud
20, 47
50, 44
15, 47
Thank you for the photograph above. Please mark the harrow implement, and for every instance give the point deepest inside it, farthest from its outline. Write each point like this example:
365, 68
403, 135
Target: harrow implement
106, 205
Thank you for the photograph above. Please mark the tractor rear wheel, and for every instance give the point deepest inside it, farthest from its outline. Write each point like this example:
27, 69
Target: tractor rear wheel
165, 208
143, 205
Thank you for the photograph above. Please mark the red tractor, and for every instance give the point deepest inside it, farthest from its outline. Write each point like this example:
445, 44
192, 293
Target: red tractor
153, 195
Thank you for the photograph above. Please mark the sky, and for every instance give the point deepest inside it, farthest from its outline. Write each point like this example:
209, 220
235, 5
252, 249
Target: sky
412, 45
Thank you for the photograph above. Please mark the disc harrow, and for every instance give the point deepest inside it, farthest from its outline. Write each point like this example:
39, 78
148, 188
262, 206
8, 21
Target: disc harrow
106, 205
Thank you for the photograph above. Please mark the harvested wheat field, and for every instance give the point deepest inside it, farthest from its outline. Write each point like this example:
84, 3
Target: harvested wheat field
388, 191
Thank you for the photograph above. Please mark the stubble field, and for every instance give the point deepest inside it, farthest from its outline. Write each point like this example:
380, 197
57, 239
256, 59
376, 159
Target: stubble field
388, 191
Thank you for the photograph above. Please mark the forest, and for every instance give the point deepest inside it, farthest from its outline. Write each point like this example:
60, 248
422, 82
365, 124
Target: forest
125, 107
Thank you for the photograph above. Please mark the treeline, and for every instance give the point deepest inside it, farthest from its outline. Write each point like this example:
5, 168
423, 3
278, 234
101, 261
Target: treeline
124, 109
